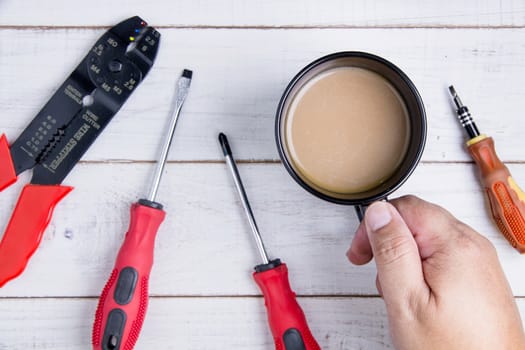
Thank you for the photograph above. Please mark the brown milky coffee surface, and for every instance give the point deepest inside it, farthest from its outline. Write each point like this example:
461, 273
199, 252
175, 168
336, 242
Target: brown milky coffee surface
347, 130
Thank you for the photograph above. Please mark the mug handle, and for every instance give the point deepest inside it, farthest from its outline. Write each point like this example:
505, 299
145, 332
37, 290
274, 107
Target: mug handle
361, 208
360, 211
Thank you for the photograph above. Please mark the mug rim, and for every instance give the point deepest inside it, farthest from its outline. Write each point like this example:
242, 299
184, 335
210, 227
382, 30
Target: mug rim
279, 117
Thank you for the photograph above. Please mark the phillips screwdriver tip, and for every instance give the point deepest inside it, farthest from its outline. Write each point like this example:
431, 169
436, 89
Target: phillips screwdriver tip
225, 145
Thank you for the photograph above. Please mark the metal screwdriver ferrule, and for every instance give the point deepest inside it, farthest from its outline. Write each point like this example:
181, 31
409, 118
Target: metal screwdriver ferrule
464, 117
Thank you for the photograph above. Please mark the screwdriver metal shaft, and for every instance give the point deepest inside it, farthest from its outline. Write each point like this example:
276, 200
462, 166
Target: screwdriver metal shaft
466, 120
183, 86
242, 195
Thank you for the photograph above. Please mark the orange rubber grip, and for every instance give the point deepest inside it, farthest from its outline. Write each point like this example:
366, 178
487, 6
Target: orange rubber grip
507, 200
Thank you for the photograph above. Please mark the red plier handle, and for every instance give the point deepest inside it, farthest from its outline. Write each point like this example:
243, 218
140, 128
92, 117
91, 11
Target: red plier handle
7, 169
28, 221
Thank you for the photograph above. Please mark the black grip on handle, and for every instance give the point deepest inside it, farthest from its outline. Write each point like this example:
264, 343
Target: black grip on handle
117, 318
127, 281
113, 333
293, 340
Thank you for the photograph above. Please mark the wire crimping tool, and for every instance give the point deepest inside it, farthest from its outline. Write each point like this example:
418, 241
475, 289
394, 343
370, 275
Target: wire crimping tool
64, 129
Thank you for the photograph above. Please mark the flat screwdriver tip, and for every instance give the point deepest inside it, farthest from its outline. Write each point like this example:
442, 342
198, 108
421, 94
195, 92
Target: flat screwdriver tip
455, 96
181, 92
223, 140
452, 91
187, 73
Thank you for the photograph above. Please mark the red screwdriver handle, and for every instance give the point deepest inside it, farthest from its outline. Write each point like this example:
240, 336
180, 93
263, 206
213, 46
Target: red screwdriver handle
287, 321
124, 300
507, 200
26, 227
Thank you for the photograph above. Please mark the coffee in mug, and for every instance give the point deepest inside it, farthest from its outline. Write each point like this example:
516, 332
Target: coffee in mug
350, 128
347, 130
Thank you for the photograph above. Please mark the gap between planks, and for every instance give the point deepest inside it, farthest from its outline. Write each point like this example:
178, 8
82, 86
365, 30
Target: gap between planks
187, 296
258, 161
190, 296
268, 27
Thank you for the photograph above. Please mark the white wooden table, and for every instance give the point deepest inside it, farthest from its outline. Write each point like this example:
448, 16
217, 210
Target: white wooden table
243, 53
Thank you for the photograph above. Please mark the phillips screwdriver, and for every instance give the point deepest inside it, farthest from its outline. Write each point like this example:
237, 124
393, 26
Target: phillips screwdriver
286, 318
124, 300
507, 200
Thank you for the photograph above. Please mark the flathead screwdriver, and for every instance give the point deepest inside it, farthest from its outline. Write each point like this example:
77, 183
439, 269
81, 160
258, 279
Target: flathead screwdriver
124, 300
286, 318
507, 200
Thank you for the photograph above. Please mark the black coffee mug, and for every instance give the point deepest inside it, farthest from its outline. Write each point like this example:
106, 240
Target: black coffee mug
416, 115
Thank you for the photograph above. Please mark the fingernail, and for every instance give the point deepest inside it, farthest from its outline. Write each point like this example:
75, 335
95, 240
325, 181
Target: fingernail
377, 216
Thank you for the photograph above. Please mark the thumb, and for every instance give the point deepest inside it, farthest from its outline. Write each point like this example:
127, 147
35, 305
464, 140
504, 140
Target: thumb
396, 254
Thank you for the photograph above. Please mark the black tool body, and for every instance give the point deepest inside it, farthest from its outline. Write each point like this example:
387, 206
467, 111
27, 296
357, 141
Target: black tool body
63, 130
66, 126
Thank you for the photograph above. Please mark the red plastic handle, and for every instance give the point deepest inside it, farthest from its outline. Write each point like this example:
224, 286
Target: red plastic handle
287, 321
7, 169
124, 300
26, 227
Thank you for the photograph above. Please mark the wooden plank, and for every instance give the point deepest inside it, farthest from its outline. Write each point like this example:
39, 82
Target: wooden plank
204, 247
268, 13
238, 90
193, 323
196, 323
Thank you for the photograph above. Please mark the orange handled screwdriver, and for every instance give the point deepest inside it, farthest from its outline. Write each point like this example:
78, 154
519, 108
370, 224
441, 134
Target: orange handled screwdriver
507, 200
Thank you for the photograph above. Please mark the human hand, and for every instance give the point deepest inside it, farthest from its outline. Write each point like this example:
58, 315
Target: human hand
441, 281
